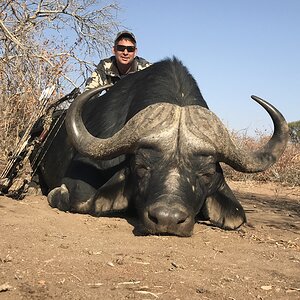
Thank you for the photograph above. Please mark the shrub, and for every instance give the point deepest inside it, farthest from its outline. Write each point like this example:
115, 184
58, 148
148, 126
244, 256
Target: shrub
285, 171
295, 131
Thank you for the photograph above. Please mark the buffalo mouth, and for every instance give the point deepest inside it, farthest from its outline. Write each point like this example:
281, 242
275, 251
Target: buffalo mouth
166, 231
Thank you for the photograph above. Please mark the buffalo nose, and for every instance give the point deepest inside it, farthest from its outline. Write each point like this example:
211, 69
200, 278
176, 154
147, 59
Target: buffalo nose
166, 216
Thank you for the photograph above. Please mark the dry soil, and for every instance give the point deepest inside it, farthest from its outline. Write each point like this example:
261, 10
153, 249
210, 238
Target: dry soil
49, 254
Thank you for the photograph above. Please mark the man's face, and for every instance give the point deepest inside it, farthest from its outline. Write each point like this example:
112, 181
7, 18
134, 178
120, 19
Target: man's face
124, 56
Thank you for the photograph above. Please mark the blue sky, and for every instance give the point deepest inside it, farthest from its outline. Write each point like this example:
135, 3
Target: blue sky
233, 48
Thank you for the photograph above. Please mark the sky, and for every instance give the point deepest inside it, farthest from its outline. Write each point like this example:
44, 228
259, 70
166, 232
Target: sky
233, 48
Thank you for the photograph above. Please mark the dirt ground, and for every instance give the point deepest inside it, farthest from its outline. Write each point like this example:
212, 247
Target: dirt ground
49, 254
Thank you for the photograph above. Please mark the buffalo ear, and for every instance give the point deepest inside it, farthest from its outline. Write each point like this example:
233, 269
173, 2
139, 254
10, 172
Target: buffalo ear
114, 195
223, 210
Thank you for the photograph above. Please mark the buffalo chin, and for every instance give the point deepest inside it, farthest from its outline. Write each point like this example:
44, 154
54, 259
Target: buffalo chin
161, 230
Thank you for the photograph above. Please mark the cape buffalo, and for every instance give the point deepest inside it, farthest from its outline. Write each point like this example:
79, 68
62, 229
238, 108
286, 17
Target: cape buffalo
151, 144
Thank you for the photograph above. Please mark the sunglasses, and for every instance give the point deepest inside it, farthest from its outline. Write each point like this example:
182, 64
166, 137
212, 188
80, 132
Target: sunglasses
122, 48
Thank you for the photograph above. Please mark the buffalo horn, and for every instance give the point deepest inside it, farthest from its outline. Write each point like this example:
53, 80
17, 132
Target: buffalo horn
213, 138
153, 119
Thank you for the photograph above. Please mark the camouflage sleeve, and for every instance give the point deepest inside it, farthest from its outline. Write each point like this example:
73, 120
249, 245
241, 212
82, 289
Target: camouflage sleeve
97, 78
142, 64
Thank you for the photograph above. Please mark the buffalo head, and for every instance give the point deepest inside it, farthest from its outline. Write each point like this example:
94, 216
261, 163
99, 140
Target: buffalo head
174, 153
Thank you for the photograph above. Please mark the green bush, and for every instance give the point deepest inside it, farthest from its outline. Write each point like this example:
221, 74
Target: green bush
295, 131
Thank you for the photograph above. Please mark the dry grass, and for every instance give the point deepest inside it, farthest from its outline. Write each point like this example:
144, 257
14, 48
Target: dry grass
286, 171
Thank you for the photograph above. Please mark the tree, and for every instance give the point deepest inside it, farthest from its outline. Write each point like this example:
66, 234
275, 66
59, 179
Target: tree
295, 131
44, 42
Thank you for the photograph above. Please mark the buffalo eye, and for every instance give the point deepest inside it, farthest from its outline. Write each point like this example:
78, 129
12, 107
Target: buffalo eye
206, 177
142, 177
142, 171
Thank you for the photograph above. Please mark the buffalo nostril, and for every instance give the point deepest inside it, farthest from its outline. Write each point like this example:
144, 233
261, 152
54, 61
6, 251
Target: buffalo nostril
181, 220
167, 216
152, 218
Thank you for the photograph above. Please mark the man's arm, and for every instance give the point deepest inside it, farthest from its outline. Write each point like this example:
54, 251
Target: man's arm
142, 63
98, 78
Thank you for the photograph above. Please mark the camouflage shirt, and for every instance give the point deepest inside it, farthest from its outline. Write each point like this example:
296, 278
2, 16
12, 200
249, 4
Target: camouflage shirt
107, 72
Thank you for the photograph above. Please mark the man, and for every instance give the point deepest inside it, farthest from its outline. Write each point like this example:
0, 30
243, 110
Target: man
124, 62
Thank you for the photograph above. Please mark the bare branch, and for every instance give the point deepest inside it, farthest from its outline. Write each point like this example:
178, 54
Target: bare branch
10, 35
45, 41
